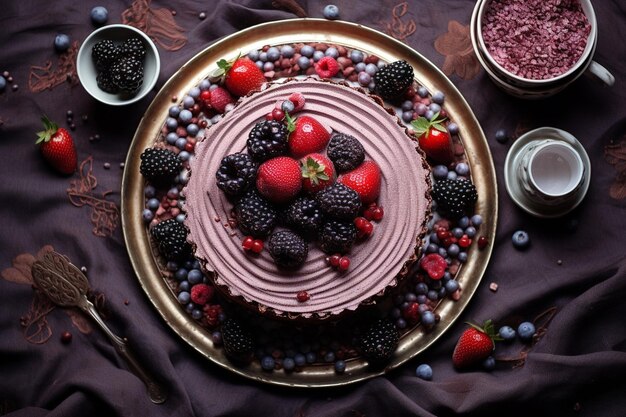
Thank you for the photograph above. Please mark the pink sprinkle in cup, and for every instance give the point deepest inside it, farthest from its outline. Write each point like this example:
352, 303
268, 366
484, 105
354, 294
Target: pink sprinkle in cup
531, 58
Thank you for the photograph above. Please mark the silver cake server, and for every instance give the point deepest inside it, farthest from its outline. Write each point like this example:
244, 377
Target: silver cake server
67, 286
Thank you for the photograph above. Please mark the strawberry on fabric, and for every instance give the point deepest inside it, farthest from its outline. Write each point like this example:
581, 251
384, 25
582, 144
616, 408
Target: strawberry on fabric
279, 179
307, 135
434, 139
475, 345
365, 180
57, 147
242, 75
318, 172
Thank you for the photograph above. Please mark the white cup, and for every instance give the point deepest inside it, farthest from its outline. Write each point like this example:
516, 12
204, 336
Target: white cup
551, 172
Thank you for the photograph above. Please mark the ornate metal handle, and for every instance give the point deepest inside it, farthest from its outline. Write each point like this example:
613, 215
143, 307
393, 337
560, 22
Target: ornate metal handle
156, 392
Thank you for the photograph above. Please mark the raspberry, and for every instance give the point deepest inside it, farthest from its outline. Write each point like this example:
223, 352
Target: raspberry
201, 294
434, 265
212, 314
327, 67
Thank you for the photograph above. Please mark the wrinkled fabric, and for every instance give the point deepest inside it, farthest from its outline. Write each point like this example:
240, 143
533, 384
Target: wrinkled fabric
575, 267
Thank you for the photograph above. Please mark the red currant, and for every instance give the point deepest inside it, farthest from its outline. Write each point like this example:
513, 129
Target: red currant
303, 296
247, 243
205, 95
377, 214
412, 312
333, 260
278, 114
465, 241
344, 263
442, 234
482, 242
257, 246
66, 337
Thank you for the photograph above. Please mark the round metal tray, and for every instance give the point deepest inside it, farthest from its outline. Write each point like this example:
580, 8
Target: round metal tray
351, 35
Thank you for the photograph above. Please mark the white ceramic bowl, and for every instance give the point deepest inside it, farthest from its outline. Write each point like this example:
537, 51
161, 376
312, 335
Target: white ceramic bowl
531, 88
87, 72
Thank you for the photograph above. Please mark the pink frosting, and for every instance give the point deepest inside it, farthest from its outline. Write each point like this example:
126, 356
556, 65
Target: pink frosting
376, 263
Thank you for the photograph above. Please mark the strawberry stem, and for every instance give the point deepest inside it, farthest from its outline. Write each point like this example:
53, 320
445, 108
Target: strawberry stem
422, 125
50, 128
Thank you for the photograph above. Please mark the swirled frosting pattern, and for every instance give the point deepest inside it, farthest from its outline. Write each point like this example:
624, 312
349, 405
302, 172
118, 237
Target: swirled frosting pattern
376, 263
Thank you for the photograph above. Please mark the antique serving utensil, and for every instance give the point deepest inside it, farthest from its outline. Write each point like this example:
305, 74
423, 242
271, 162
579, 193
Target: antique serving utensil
67, 286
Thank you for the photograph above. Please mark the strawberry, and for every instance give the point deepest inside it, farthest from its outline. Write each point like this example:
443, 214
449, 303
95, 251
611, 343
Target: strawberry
365, 180
317, 172
219, 98
433, 138
242, 75
474, 345
279, 179
57, 147
306, 136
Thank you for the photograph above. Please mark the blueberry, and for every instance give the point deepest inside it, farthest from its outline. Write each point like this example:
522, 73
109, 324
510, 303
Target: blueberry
263, 57
424, 372
268, 363
401, 323
268, 66
185, 116
440, 172
407, 116
184, 297
332, 52
420, 109
434, 107
188, 101
476, 220
360, 67
184, 286
470, 231
454, 250
422, 92
99, 15
452, 175
273, 54
421, 288
428, 318
317, 55
451, 286
429, 114
462, 257
153, 203
216, 337
253, 55
311, 357
462, 168
507, 333
171, 138
432, 248
3, 83
180, 143
196, 314
147, 215
287, 51
364, 78
520, 239
330, 356
307, 51
304, 62
181, 274
501, 136
453, 128
371, 69
331, 12
464, 222
489, 364
438, 97
340, 366
61, 42
289, 364
174, 111
192, 129
195, 276
299, 359
356, 56
287, 106
525, 331
204, 85
457, 232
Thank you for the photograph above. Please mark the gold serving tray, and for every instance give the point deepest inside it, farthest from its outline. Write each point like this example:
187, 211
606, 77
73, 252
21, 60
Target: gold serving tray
351, 35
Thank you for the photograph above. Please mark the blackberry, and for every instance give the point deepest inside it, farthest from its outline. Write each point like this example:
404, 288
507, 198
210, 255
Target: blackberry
104, 54
379, 342
171, 238
104, 81
339, 201
237, 341
160, 166
304, 215
337, 236
127, 74
393, 80
236, 173
255, 216
345, 151
267, 139
287, 248
134, 48
455, 197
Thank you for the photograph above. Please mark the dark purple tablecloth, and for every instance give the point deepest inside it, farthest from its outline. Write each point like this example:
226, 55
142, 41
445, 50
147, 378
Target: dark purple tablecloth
574, 272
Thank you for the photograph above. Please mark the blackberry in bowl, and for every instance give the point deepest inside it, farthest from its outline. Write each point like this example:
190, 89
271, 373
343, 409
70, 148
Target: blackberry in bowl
118, 64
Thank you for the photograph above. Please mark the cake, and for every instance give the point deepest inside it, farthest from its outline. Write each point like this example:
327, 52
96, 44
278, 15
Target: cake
377, 264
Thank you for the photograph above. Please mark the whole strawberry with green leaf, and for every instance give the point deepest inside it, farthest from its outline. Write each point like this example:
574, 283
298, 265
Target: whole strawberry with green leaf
306, 135
318, 172
241, 75
433, 138
475, 345
57, 147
